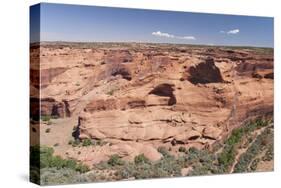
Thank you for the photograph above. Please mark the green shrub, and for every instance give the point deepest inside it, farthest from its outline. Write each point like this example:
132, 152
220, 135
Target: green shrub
54, 176
141, 159
257, 147
182, 149
254, 164
45, 117
166, 167
115, 160
34, 174
76, 143
227, 156
268, 156
87, 142
44, 155
81, 168
202, 161
56, 144
193, 150
235, 137
47, 130
199, 170
163, 151
99, 143
103, 165
192, 155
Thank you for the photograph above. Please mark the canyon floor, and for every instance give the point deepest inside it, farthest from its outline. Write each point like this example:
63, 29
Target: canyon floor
137, 110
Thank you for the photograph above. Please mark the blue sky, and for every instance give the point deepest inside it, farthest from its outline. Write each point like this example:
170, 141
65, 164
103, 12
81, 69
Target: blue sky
101, 24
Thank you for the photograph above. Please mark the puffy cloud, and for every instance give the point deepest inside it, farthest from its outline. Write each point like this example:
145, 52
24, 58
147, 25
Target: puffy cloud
167, 35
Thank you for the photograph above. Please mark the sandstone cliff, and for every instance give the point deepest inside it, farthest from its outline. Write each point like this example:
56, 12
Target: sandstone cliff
137, 97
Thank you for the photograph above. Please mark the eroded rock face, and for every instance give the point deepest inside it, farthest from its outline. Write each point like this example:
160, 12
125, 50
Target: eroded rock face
137, 98
205, 72
51, 107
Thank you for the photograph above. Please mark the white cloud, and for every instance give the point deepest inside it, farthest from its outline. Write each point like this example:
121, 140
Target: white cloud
160, 34
167, 35
234, 31
231, 32
189, 38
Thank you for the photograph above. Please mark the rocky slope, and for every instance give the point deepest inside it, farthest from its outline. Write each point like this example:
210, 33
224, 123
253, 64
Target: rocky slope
137, 97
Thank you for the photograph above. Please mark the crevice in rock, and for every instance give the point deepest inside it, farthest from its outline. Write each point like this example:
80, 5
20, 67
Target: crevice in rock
66, 108
194, 137
136, 104
76, 130
208, 137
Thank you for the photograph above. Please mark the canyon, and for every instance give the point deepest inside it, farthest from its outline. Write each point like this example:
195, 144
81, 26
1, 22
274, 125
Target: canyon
130, 99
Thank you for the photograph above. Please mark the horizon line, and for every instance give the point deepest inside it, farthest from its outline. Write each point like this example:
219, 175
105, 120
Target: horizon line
167, 43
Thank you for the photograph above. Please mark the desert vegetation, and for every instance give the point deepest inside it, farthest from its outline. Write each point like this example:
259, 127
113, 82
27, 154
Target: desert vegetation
255, 137
49, 169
